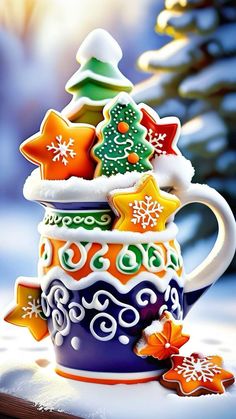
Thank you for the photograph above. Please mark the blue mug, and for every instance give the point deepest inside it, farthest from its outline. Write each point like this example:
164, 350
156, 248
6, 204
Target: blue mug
100, 289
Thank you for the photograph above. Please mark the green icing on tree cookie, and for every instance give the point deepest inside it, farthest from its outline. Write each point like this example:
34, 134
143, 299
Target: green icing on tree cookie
98, 79
122, 146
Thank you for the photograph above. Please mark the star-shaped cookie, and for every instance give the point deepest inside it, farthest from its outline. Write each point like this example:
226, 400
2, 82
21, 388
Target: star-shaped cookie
196, 375
27, 311
61, 148
144, 207
162, 338
162, 133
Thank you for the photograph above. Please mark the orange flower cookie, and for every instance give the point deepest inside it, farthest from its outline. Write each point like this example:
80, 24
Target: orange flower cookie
162, 338
144, 207
61, 149
27, 311
196, 375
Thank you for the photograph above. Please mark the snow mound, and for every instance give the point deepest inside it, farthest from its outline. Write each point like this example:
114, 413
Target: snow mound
153, 89
170, 171
101, 45
49, 391
212, 79
205, 135
174, 171
202, 20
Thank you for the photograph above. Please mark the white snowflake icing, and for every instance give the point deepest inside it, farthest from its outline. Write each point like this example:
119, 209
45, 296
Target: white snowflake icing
146, 212
33, 308
198, 369
155, 138
62, 149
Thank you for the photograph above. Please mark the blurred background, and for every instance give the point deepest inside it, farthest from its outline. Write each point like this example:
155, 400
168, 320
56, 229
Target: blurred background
185, 52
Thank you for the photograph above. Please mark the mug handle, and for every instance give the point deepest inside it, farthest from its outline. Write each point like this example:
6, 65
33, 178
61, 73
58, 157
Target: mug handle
219, 258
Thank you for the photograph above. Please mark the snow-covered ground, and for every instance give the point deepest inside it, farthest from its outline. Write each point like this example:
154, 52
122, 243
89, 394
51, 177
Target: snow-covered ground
211, 324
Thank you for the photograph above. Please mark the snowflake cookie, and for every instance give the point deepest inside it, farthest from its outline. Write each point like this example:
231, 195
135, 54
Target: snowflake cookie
162, 133
144, 207
196, 375
27, 311
61, 149
162, 338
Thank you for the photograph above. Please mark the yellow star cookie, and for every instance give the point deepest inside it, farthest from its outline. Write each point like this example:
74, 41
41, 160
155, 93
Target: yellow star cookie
27, 311
61, 149
144, 207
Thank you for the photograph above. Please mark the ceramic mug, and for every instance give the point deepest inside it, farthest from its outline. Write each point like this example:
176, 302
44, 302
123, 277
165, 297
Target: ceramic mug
101, 288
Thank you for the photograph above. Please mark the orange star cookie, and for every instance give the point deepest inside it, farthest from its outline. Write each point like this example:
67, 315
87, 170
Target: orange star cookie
196, 375
144, 207
27, 311
61, 149
162, 338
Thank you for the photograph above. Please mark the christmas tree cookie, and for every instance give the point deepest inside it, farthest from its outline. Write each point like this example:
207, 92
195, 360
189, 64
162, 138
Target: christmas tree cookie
97, 80
162, 338
61, 149
162, 133
122, 146
144, 207
196, 375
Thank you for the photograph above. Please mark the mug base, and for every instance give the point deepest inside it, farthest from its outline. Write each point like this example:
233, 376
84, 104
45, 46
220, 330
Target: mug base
108, 378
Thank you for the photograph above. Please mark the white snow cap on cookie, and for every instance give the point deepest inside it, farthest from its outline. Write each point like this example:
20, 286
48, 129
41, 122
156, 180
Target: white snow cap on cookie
101, 45
124, 99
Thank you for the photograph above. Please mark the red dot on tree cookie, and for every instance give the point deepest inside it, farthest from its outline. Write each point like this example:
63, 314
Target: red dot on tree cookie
123, 127
133, 158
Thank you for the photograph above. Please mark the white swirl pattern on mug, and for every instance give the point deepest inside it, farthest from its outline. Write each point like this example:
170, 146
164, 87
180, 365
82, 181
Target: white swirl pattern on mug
147, 291
67, 220
99, 306
58, 305
66, 255
98, 258
172, 294
46, 257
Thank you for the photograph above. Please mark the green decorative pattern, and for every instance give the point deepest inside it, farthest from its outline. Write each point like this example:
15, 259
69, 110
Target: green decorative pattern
129, 260
66, 255
174, 260
73, 256
131, 257
86, 219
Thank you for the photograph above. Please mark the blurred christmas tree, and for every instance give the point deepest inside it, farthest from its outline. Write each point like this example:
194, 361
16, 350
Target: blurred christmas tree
195, 79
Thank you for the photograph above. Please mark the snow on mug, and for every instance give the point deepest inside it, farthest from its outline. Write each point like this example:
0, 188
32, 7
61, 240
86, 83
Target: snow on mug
101, 288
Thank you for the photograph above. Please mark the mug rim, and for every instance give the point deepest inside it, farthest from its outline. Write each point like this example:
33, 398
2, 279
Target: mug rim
107, 236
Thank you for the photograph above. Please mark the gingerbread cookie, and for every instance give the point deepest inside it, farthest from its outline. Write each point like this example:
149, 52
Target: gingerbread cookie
144, 207
162, 338
162, 133
27, 311
122, 146
196, 375
61, 149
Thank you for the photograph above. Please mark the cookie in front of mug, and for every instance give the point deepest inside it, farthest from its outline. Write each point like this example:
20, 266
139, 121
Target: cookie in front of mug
196, 375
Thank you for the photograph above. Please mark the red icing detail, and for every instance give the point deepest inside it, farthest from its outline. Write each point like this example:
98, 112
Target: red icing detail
123, 127
133, 158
